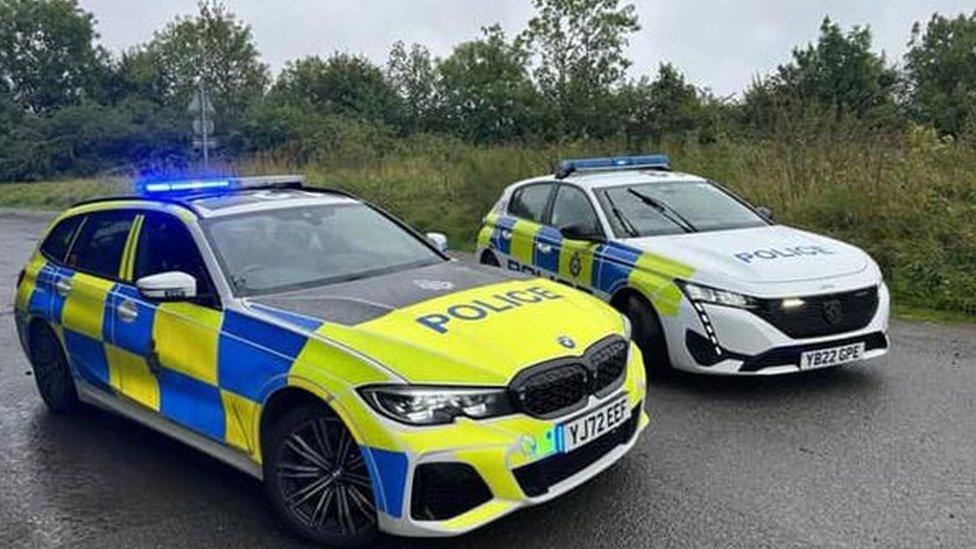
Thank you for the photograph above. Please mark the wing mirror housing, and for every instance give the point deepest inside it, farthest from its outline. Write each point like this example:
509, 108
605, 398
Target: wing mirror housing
439, 240
576, 231
168, 286
766, 212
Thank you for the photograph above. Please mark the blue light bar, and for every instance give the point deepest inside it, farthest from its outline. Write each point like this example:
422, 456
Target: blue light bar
177, 186
183, 186
650, 161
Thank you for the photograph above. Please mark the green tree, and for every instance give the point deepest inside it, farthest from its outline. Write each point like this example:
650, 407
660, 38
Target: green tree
212, 47
413, 74
839, 74
579, 54
654, 109
486, 89
941, 70
342, 84
48, 55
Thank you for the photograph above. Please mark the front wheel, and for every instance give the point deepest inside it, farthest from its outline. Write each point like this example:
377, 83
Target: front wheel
51, 371
317, 478
648, 335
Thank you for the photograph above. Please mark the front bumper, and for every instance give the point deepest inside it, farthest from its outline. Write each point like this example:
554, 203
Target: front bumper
502, 465
752, 346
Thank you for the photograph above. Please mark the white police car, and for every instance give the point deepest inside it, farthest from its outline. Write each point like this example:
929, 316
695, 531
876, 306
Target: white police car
710, 283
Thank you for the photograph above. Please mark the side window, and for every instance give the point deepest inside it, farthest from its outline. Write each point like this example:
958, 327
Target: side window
572, 206
99, 246
529, 202
165, 244
55, 246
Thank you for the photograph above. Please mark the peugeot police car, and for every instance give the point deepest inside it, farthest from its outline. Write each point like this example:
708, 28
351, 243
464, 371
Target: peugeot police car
319, 344
710, 283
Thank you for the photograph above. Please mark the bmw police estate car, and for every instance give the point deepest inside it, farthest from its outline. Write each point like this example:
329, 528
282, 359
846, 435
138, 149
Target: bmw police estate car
315, 342
710, 284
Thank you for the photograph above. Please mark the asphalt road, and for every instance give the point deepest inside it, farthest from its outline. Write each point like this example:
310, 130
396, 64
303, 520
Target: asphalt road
858, 457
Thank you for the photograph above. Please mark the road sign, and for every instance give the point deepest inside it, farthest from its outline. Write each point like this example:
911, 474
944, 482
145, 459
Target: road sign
201, 102
202, 126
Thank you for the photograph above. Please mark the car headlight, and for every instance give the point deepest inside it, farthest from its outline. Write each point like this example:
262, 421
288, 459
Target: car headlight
704, 294
419, 405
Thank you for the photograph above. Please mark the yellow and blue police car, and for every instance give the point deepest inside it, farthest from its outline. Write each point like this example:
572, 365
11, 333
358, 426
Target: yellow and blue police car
711, 284
317, 343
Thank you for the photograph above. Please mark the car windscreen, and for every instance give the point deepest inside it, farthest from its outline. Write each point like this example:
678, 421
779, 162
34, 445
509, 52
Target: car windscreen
291, 248
677, 207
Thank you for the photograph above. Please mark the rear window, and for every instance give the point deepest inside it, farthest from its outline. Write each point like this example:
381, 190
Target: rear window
530, 202
98, 248
55, 246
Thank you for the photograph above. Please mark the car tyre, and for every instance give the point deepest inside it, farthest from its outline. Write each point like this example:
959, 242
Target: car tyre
648, 334
317, 478
51, 371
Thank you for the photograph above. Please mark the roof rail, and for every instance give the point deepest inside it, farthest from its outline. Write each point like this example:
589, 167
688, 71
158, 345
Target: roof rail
612, 163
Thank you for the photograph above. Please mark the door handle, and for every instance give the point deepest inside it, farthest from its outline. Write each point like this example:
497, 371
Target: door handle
544, 248
63, 287
507, 235
128, 311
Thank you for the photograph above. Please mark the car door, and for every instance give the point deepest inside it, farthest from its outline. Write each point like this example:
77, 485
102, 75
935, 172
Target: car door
517, 242
167, 350
570, 205
92, 267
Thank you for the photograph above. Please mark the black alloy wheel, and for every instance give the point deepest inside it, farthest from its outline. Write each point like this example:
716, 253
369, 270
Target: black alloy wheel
318, 479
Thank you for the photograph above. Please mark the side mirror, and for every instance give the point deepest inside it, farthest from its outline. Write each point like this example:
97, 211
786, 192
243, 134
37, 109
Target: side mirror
576, 231
439, 240
168, 286
766, 212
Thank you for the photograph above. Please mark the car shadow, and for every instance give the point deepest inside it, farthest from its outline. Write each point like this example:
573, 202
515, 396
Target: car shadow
844, 379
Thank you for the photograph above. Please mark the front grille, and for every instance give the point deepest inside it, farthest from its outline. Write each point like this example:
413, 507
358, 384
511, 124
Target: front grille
554, 390
564, 385
822, 315
535, 479
608, 363
791, 355
445, 490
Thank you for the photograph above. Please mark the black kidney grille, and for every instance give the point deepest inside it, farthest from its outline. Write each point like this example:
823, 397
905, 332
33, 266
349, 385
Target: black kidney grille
822, 315
558, 387
609, 363
553, 390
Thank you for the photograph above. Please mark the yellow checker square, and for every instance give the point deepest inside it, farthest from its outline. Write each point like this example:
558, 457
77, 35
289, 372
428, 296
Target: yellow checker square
130, 373
241, 425
84, 305
523, 241
186, 337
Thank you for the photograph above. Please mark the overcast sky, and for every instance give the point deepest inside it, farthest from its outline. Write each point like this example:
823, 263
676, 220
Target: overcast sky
721, 44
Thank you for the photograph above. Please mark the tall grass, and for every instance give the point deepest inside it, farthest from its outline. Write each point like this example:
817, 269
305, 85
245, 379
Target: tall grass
908, 199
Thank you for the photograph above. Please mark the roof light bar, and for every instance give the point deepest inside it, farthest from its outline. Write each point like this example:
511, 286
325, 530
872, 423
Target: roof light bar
235, 183
644, 162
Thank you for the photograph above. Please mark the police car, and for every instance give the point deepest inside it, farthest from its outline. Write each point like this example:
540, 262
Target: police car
710, 283
319, 344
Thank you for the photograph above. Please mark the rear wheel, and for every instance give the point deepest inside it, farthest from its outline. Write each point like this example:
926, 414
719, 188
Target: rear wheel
51, 371
648, 334
317, 478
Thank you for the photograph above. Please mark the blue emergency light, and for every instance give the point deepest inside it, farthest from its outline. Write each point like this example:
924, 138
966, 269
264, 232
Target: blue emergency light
190, 186
644, 162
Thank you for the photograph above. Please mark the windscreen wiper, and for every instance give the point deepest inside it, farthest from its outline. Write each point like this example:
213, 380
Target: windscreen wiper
666, 211
624, 222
